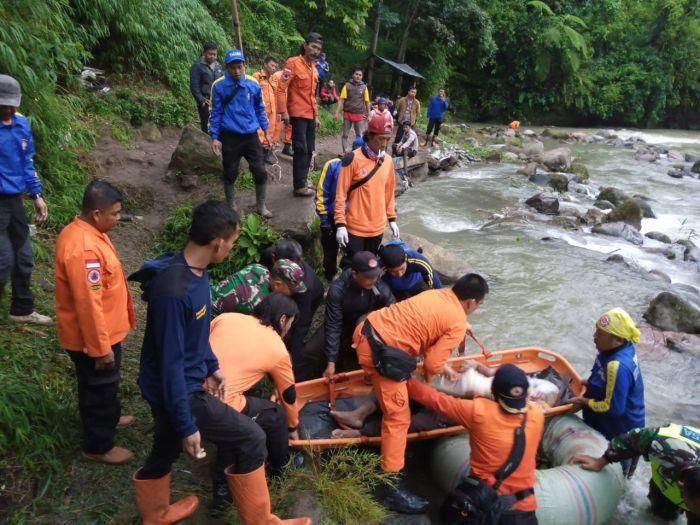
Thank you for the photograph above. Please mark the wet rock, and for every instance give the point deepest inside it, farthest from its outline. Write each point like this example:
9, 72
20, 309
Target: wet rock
558, 159
669, 311
643, 202
617, 142
580, 172
532, 147
675, 173
547, 203
619, 229
447, 265
612, 195
555, 134
433, 163
686, 242
529, 169
629, 212
604, 205
691, 254
675, 155
696, 167
559, 182
659, 275
579, 136
150, 132
617, 258
689, 157
529, 133
598, 138
187, 181
509, 156
306, 503
595, 216
646, 156
541, 178
566, 223
658, 236
193, 157
514, 141
581, 189
494, 156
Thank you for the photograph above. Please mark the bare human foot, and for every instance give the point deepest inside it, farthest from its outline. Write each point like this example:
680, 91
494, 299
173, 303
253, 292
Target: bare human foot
349, 419
340, 433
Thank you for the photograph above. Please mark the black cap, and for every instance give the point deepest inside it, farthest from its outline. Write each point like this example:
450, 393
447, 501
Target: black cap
509, 388
366, 263
392, 255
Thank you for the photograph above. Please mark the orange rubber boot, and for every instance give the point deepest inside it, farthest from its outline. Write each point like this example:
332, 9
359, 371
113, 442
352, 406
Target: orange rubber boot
153, 501
252, 499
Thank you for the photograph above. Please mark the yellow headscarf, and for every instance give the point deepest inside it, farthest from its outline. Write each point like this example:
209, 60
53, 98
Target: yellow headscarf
619, 323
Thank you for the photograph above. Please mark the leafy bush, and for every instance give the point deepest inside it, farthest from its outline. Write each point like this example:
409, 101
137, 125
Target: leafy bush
254, 237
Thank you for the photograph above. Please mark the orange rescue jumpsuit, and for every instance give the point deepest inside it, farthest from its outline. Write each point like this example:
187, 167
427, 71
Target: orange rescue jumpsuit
247, 351
491, 432
370, 206
269, 97
296, 90
93, 304
431, 324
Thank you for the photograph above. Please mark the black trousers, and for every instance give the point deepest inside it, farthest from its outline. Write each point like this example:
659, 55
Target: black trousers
234, 147
330, 251
239, 441
98, 400
304, 144
434, 123
271, 418
203, 111
399, 133
16, 262
360, 244
516, 517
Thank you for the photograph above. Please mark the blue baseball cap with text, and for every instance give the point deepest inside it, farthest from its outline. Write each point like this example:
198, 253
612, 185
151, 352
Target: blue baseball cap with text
234, 55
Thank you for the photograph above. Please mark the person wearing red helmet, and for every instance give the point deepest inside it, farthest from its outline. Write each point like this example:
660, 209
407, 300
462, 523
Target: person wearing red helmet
364, 200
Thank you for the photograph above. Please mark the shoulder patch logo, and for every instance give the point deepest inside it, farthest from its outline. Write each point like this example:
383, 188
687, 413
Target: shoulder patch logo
201, 312
92, 263
94, 276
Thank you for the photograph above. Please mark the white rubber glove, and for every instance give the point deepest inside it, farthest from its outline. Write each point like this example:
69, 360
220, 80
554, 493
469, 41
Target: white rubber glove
342, 236
394, 229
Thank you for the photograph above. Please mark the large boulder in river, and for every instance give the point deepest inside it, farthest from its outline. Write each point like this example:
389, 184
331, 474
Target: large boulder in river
675, 155
193, 157
558, 159
658, 236
447, 265
696, 167
532, 147
580, 172
604, 205
668, 311
612, 195
555, 134
546, 203
643, 202
530, 169
619, 229
629, 212
558, 182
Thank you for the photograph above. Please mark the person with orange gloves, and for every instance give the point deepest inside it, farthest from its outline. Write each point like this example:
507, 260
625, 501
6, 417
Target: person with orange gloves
248, 349
492, 426
431, 324
514, 125
94, 314
181, 380
364, 198
269, 95
297, 103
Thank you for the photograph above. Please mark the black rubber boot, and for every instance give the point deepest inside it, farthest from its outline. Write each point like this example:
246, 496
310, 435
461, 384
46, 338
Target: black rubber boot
221, 500
268, 157
399, 499
287, 150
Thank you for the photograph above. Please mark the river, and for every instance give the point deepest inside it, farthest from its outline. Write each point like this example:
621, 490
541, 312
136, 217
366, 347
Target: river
549, 293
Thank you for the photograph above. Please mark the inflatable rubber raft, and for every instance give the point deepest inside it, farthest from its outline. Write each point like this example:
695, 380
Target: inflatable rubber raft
565, 493
531, 360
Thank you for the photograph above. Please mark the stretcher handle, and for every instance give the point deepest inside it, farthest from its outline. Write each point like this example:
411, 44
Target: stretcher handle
337, 378
481, 345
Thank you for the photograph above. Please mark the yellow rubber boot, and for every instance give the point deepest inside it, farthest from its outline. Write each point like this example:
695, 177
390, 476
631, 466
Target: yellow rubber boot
153, 501
252, 499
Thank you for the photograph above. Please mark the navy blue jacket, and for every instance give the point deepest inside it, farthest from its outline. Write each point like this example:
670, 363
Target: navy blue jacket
202, 76
244, 113
618, 390
418, 269
437, 108
176, 356
17, 173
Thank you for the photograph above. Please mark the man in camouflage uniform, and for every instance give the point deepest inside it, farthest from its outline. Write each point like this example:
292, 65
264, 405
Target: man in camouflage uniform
243, 290
674, 452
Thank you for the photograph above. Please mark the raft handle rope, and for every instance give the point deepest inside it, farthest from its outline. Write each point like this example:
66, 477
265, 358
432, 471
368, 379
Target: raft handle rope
276, 165
481, 345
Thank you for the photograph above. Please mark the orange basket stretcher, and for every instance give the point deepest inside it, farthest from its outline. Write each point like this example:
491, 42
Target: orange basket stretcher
350, 384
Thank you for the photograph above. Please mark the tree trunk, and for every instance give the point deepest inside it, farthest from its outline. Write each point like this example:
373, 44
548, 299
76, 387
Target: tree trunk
401, 55
236, 24
373, 47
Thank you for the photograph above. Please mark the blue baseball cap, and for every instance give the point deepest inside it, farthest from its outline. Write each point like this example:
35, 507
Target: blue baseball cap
382, 100
233, 55
357, 143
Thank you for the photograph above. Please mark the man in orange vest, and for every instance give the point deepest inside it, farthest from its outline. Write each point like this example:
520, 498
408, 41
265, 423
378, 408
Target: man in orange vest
431, 324
94, 314
364, 198
269, 94
297, 103
492, 426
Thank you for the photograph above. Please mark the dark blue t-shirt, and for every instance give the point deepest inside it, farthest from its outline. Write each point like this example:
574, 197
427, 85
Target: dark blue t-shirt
176, 356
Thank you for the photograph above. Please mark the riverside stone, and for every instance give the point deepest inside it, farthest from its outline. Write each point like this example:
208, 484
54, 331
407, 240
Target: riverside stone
643, 202
604, 205
629, 212
612, 195
546, 203
619, 229
447, 265
658, 236
193, 157
669, 311
558, 159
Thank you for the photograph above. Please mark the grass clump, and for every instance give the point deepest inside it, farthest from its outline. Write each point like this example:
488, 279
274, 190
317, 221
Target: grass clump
329, 126
343, 480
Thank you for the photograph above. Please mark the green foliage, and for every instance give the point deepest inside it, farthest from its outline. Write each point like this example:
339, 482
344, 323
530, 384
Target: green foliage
255, 236
329, 126
343, 480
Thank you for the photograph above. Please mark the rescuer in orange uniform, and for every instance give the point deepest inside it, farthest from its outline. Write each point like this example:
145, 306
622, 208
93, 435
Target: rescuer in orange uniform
249, 348
94, 314
298, 106
491, 426
269, 95
364, 198
431, 324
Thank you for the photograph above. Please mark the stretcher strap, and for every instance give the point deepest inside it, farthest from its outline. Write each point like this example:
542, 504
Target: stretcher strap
481, 345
